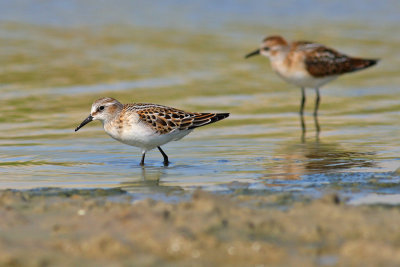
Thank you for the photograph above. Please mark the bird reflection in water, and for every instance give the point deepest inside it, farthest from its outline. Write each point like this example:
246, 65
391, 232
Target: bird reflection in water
149, 182
316, 157
304, 128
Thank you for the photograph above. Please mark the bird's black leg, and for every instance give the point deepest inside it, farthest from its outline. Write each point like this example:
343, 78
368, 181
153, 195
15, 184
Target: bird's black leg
142, 162
303, 125
166, 162
317, 100
303, 101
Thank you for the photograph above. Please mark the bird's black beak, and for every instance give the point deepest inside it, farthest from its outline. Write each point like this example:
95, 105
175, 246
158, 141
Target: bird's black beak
86, 121
254, 53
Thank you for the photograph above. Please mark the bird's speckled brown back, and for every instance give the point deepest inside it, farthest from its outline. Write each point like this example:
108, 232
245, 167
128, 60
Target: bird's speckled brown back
165, 119
321, 61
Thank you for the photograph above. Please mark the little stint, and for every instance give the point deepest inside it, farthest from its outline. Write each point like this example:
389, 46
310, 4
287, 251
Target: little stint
146, 126
307, 64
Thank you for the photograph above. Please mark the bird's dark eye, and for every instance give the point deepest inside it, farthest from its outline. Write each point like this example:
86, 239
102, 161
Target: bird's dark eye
266, 48
101, 108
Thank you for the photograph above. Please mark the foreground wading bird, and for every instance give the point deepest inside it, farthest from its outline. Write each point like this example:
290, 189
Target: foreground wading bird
307, 64
146, 126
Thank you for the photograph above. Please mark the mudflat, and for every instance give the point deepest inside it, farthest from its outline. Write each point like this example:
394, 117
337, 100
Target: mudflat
111, 227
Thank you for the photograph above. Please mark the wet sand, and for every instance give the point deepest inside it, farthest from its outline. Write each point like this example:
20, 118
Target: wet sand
110, 227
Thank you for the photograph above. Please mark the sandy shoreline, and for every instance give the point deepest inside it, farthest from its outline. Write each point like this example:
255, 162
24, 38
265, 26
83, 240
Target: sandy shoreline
90, 228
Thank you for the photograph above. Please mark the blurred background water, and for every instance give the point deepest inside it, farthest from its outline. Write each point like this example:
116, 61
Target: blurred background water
58, 56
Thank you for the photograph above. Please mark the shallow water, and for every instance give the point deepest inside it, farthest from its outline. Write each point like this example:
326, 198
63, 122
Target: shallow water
57, 57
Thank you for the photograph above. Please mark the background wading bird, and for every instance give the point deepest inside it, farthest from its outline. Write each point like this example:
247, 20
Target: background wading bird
308, 65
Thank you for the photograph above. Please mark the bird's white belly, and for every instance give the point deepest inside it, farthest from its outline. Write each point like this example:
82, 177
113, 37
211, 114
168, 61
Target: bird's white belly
305, 80
298, 75
142, 136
